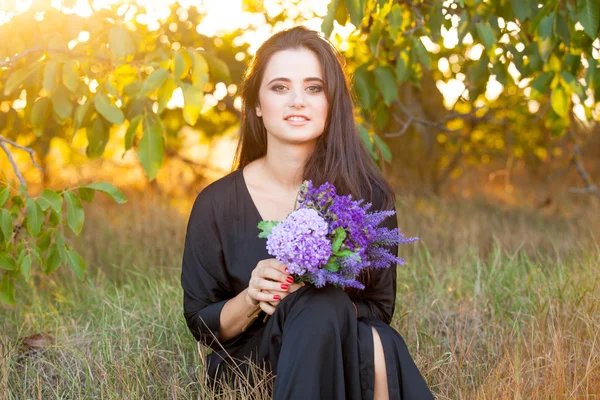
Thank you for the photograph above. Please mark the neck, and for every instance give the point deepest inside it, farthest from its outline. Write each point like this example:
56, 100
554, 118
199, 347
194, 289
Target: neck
284, 164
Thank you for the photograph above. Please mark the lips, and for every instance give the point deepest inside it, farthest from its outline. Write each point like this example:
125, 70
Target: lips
297, 118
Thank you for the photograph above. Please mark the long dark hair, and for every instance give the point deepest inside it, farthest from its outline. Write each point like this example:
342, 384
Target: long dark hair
340, 157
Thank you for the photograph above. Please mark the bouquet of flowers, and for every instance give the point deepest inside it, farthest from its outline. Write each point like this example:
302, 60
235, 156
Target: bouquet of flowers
331, 239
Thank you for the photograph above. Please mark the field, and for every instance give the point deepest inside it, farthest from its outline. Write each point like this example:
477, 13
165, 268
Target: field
495, 302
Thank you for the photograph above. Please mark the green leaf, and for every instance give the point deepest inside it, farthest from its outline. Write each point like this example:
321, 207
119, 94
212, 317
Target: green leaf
363, 87
154, 81
6, 224
131, 131
76, 263
39, 115
436, 20
561, 30
7, 291
86, 194
560, 101
546, 40
486, 34
165, 92
387, 84
61, 102
25, 267
97, 135
520, 9
573, 84
327, 25
589, 16
70, 75
59, 240
219, 71
422, 53
332, 265
266, 227
75, 214
383, 147
395, 20
53, 260
121, 44
16, 78
49, 198
199, 70
151, 147
51, 80
35, 217
107, 109
356, 11
82, 116
7, 262
183, 64
345, 253
43, 241
541, 84
193, 98
4, 195
110, 190
338, 239
402, 67
366, 139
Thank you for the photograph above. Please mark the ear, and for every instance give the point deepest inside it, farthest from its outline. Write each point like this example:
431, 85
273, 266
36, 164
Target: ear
258, 111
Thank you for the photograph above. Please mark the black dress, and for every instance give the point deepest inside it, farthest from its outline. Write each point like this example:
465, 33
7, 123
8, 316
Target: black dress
313, 343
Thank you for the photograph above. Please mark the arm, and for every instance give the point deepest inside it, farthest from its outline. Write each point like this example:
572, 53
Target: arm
378, 300
204, 277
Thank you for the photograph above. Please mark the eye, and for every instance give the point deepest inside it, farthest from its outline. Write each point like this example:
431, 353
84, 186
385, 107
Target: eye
276, 88
315, 89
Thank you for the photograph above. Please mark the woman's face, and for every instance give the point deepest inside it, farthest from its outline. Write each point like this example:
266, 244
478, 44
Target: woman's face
292, 101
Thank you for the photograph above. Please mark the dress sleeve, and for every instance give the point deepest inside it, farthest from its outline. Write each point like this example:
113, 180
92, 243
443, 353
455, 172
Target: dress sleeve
378, 299
204, 275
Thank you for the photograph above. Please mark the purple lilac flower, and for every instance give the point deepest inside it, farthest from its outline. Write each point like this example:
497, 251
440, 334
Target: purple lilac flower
300, 241
305, 238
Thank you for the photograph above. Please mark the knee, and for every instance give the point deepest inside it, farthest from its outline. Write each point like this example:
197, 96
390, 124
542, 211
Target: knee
328, 303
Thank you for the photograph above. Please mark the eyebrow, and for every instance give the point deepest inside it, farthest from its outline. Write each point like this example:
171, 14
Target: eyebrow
310, 79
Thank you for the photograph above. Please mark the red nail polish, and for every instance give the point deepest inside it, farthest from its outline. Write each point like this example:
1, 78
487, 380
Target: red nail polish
290, 279
276, 297
286, 270
285, 286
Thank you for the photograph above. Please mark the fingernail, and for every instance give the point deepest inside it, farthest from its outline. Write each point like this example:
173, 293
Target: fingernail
276, 297
286, 270
285, 286
290, 279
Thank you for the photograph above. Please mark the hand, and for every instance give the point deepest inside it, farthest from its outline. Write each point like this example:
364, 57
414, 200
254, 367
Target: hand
269, 306
269, 281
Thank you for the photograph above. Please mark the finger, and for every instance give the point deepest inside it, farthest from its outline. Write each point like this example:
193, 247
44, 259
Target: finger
275, 275
266, 307
272, 286
263, 296
275, 263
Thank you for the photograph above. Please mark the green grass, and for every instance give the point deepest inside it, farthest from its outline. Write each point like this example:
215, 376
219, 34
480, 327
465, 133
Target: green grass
493, 303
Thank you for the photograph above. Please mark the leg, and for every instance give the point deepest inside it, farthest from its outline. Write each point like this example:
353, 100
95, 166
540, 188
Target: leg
311, 343
381, 386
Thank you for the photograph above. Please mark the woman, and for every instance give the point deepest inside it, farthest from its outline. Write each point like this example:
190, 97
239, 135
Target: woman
297, 123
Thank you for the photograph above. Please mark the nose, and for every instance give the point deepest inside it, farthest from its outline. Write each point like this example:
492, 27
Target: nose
297, 98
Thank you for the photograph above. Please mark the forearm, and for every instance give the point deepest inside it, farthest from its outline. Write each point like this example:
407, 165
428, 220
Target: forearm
235, 315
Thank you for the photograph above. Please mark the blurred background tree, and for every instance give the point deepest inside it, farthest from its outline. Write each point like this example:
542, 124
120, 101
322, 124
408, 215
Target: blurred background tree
117, 88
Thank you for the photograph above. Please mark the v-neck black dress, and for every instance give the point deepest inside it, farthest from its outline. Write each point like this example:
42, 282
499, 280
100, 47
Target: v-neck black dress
313, 343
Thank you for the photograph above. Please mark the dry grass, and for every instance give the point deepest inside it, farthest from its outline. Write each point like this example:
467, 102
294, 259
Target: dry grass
495, 302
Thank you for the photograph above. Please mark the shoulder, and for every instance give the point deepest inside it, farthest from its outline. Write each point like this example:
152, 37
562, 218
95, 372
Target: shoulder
216, 192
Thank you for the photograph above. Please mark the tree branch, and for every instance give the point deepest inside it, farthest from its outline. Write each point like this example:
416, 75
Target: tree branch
12, 161
39, 49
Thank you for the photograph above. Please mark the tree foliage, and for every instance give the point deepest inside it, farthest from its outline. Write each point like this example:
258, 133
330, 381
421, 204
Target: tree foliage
62, 75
